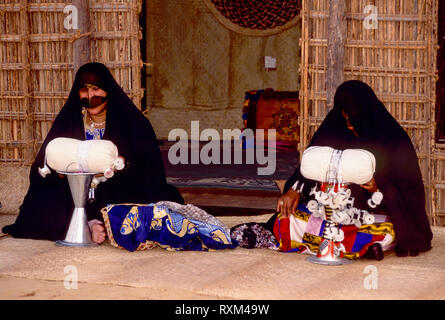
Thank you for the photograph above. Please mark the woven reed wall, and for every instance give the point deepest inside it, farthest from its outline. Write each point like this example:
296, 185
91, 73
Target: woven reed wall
398, 60
438, 190
37, 72
36, 64
115, 41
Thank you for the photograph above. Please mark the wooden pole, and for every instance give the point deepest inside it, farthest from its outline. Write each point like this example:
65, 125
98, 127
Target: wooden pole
303, 118
336, 46
81, 46
29, 148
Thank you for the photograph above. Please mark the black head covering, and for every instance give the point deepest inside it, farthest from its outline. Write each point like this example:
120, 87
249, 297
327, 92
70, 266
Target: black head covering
94, 74
397, 174
349, 99
47, 207
368, 115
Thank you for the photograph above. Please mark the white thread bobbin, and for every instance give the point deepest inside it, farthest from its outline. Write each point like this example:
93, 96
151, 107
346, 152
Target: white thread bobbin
376, 199
119, 163
109, 173
44, 171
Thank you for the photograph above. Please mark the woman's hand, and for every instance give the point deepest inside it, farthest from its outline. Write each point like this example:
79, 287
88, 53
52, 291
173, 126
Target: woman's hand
288, 202
371, 186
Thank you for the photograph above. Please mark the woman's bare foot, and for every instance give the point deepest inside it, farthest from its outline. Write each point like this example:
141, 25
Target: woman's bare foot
97, 231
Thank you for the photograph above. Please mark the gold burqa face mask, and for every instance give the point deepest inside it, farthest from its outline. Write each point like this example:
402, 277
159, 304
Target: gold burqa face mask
94, 101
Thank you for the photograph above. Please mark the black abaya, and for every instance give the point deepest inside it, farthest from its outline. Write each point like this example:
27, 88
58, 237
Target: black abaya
397, 174
47, 206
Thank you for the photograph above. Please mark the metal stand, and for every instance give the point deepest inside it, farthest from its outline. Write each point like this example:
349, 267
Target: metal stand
329, 251
78, 234
327, 255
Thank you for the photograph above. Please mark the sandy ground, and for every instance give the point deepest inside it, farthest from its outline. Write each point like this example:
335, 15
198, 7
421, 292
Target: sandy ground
31, 269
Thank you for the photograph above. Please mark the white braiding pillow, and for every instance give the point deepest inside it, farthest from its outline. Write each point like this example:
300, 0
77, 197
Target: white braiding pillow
89, 156
354, 165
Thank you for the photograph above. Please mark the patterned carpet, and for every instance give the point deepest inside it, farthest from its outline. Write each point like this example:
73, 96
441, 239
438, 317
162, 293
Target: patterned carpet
231, 176
226, 183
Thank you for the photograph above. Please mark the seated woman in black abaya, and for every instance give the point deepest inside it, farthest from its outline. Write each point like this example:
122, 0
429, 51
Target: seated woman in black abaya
97, 108
359, 120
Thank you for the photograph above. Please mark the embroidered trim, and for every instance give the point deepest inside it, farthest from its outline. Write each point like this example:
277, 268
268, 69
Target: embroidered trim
107, 223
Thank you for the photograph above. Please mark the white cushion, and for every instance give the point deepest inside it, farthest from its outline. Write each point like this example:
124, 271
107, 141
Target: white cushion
355, 166
72, 155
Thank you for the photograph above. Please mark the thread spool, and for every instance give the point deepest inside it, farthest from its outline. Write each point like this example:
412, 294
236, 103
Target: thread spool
119, 163
44, 171
109, 173
376, 199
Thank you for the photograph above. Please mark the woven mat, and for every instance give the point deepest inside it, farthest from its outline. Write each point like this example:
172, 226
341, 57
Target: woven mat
227, 274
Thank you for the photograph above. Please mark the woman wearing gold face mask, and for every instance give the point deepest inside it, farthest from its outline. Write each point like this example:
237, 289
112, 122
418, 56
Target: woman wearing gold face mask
94, 100
94, 110
97, 108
